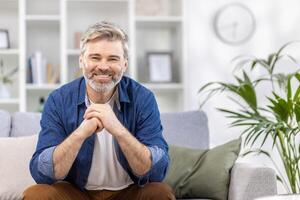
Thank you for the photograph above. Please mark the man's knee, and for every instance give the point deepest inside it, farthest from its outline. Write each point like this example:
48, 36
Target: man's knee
39, 191
156, 190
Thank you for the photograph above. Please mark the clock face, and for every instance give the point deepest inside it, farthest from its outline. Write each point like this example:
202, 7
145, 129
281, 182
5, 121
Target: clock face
234, 23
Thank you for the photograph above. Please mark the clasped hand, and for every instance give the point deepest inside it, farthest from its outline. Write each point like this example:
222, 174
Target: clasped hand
99, 116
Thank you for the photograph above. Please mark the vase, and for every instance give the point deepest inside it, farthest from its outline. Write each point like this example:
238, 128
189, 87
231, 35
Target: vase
4, 91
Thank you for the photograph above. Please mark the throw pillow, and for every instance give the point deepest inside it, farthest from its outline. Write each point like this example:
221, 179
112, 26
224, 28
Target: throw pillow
198, 173
15, 155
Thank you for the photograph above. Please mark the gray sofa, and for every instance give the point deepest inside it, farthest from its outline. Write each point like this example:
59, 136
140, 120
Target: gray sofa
188, 129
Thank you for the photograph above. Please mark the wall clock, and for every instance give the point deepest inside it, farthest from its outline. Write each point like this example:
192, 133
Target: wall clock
234, 23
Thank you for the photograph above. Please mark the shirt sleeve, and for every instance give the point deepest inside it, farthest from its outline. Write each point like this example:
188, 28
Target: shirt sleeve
52, 133
149, 132
45, 162
156, 154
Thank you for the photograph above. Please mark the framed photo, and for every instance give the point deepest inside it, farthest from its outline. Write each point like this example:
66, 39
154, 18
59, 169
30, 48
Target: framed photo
4, 39
160, 66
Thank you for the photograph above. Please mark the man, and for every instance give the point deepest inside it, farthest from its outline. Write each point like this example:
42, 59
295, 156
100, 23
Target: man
101, 135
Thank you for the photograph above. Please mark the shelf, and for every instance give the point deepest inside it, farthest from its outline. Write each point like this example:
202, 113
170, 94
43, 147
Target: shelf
158, 19
9, 101
73, 52
9, 51
43, 17
108, 1
41, 86
158, 22
10, 1
163, 86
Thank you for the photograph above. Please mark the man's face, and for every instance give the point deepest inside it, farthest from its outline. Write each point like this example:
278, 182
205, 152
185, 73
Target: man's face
103, 64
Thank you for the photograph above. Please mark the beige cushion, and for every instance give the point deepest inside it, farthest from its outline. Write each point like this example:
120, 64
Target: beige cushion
15, 155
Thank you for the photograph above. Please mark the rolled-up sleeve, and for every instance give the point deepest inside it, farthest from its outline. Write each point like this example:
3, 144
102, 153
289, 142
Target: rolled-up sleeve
52, 133
45, 162
156, 154
149, 132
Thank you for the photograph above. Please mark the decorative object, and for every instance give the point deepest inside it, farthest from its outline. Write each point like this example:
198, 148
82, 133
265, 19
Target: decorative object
276, 120
77, 37
5, 80
4, 39
41, 104
234, 23
152, 7
160, 64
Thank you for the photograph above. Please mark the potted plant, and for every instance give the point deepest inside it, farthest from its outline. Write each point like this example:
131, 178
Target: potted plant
277, 119
5, 80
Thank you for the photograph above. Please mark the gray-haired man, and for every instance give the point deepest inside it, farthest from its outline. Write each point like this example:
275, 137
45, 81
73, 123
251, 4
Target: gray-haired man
101, 135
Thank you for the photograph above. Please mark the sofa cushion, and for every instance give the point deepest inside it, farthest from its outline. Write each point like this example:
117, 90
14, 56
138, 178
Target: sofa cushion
5, 124
15, 155
202, 173
25, 124
186, 129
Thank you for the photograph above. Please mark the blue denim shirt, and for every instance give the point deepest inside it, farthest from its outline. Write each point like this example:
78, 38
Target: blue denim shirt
63, 113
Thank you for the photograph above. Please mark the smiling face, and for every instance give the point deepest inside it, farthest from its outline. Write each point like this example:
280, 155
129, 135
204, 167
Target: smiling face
103, 64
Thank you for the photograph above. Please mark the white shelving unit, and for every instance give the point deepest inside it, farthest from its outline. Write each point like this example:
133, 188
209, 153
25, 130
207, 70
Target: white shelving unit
51, 27
9, 20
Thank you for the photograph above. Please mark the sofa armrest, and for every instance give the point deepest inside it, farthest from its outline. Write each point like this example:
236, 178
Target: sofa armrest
248, 182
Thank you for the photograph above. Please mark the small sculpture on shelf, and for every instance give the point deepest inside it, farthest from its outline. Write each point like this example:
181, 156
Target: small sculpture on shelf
41, 104
152, 7
5, 80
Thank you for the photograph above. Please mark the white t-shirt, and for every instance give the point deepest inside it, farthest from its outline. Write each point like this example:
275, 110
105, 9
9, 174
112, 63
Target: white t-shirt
106, 172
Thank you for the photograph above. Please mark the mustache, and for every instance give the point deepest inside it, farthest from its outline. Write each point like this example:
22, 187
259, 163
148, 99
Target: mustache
91, 74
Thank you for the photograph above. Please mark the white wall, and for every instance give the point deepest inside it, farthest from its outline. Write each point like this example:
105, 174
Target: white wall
208, 59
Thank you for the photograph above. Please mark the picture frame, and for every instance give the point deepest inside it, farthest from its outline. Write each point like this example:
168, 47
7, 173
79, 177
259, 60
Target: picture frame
4, 39
160, 66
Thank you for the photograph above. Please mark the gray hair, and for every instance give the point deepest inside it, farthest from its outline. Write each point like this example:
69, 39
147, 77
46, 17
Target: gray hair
105, 30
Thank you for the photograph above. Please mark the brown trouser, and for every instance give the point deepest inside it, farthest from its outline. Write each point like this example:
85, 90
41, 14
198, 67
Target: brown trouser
66, 191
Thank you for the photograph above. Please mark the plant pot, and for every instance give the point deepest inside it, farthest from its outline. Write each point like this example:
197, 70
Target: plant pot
4, 91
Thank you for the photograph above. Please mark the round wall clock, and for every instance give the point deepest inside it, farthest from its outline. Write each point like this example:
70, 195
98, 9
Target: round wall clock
234, 23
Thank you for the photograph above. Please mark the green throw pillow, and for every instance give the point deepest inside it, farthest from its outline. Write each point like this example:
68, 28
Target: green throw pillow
198, 173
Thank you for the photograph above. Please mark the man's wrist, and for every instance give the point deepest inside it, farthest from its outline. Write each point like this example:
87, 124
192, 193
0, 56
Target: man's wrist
120, 131
80, 133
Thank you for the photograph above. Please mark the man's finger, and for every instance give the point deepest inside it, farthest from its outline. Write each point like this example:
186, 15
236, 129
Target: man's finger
92, 114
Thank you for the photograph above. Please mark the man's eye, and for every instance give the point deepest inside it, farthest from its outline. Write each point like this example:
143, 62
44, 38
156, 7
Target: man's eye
95, 58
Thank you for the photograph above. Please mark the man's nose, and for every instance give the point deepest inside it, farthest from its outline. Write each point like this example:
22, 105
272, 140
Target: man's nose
103, 65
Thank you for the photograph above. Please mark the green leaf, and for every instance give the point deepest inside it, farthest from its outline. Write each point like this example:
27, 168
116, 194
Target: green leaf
254, 62
280, 108
271, 58
296, 95
289, 89
297, 112
297, 75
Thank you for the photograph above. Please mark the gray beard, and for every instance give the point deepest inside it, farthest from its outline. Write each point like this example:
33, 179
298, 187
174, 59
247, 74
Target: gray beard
103, 87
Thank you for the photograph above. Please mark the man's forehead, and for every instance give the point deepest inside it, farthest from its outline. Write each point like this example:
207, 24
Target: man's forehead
99, 54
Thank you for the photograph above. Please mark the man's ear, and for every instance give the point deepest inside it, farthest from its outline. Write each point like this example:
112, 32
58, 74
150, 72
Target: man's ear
125, 65
81, 61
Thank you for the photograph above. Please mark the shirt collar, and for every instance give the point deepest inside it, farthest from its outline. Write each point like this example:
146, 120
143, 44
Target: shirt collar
122, 89
82, 92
